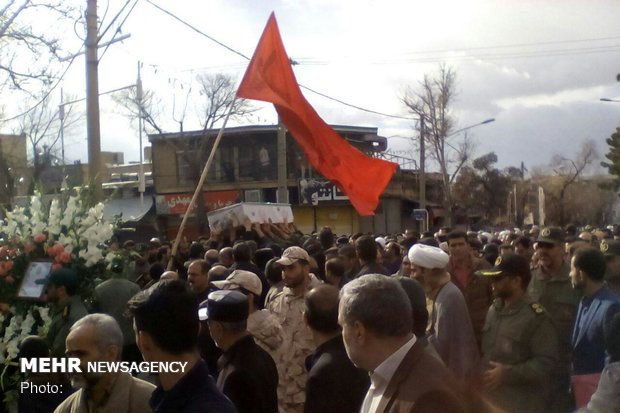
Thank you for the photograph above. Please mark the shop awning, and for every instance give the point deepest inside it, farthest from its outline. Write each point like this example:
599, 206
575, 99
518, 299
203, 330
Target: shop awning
131, 209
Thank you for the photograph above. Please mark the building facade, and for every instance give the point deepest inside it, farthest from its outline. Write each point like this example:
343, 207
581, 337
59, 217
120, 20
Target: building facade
250, 165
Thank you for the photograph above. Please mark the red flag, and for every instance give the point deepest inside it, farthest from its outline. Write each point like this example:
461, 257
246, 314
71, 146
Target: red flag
269, 78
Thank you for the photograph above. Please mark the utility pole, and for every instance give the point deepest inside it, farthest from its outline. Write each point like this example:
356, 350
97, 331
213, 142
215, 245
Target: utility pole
421, 173
141, 183
282, 173
92, 100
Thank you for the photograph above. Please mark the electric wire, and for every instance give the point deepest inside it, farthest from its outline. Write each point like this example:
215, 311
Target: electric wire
495, 56
247, 58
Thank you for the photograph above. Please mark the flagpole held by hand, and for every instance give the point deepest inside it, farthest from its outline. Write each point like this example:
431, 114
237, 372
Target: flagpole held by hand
198, 190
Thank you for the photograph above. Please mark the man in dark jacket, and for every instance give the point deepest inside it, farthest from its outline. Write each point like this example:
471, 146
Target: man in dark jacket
247, 373
376, 319
166, 327
334, 384
367, 253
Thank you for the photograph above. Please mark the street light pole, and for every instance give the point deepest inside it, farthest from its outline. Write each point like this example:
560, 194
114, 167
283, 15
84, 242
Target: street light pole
484, 122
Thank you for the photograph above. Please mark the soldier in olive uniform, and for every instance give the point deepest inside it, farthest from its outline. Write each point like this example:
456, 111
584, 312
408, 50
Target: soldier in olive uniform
551, 286
67, 308
519, 342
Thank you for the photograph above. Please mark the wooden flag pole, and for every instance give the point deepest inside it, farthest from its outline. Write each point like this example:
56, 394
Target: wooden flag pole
198, 190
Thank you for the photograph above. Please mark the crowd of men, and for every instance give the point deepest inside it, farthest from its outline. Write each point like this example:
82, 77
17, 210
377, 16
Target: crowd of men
267, 319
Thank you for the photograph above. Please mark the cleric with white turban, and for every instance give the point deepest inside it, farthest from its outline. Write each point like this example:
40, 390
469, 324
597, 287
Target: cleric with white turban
426, 256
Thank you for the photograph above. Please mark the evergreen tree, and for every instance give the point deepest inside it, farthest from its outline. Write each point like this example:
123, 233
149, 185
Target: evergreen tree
613, 166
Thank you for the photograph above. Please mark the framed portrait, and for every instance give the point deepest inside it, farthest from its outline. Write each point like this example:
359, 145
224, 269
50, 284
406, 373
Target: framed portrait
35, 280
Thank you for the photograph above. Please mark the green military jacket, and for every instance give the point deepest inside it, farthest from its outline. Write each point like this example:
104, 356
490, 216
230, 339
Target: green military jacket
64, 314
557, 295
522, 337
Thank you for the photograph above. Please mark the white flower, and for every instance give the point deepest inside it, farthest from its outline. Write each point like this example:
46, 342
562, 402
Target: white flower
53, 226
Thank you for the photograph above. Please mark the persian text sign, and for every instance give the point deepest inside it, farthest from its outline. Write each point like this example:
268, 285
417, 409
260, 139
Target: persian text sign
176, 204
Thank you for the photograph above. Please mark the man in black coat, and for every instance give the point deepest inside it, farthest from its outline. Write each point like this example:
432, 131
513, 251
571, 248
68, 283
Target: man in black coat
334, 383
247, 373
165, 321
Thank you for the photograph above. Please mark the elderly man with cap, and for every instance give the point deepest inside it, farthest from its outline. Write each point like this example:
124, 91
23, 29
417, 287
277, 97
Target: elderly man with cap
288, 307
519, 344
262, 325
67, 308
611, 249
551, 287
451, 331
248, 375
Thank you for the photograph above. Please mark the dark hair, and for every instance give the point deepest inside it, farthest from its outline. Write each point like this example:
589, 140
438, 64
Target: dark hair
612, 338
366, 248
331, 253
591, 261
196, 250
273, 271
161, 252
335, 267
322, 309
319, 257
430, 241
262, 256
33, 347
524, 241
242, 252
347, 250
277, 250
156, 270
326, 237
457, 235
169, 313
417, 299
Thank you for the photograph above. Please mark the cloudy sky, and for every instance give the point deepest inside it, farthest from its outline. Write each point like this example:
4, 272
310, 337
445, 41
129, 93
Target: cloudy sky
538, 67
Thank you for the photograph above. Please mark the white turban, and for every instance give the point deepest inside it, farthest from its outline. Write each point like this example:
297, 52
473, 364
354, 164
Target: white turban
429, 257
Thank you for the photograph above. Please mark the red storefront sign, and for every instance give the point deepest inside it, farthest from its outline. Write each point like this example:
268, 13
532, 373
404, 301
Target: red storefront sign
176, 204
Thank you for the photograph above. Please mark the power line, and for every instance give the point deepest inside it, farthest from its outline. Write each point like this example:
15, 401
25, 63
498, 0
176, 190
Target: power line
118, 29
355, 106
49, 92
247, 58
197, 30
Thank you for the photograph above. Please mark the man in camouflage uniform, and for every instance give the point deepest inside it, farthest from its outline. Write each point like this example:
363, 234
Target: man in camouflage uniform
288, 306
67, 308
519, 342
551, 287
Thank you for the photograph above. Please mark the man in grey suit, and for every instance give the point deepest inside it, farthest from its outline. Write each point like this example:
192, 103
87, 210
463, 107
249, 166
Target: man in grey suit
376, 320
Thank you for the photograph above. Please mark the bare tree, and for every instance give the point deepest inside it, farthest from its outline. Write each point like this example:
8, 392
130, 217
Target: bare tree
568, 171
26, 54
217, 94
431, 102
43, 129
149, 106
